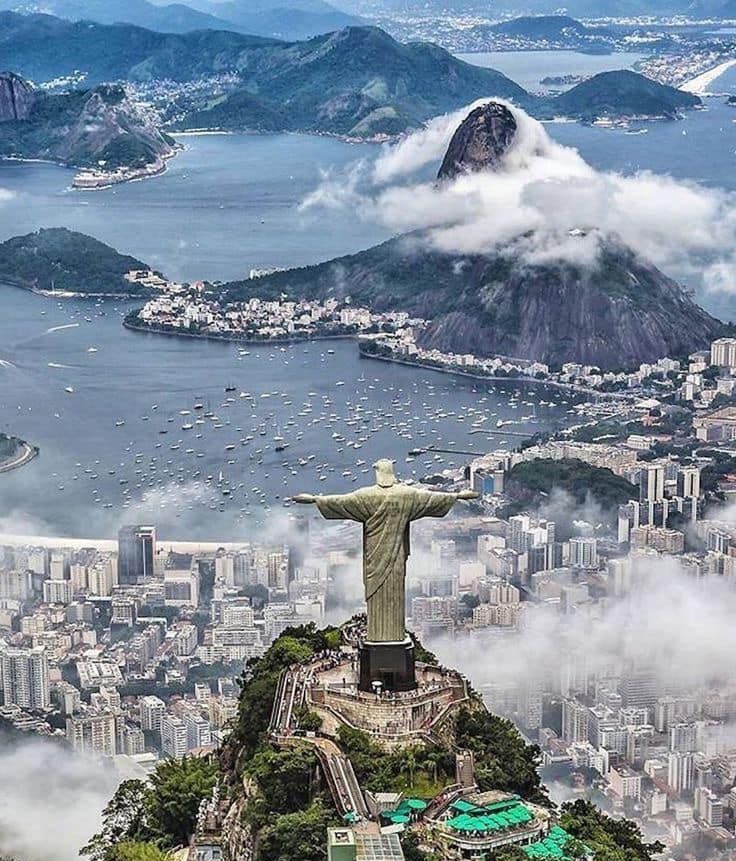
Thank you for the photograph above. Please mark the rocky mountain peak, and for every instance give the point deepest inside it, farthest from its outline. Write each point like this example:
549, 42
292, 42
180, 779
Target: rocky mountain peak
480, 141
16, 97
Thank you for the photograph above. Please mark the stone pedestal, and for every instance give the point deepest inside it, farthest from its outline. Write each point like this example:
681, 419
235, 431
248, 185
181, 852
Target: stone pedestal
392, 664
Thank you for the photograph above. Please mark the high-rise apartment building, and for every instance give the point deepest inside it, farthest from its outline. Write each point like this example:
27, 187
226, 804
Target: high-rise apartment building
136, 551
651, 483
152, 711
174, 736
574, 721
93, 733
25, 676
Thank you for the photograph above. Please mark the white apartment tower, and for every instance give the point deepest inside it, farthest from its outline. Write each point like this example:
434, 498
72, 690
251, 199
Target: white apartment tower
25, 675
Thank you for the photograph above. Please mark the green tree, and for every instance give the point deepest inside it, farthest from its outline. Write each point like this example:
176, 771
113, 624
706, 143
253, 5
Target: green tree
285, 777
503, 759
610, 839
135, 851
123, 819
296, 836
176, 789
308, 720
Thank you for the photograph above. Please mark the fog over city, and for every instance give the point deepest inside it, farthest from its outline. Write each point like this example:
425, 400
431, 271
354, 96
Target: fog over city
51, 800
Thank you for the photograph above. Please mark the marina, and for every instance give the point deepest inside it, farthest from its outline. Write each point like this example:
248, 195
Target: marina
162, 428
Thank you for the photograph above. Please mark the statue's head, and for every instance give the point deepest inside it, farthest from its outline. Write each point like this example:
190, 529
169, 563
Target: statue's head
385, 476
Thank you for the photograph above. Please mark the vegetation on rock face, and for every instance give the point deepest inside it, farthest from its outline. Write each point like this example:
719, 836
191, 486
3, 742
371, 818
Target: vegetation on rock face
61, 259
158, 814
299, 836
619, 312
9, 446
624, 93
420, 770
530, 481
610, 839
81, 128
258, 689
287, 807
503, 760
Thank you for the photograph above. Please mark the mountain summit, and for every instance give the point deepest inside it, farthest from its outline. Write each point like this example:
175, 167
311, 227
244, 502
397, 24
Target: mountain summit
600, 303
480, 141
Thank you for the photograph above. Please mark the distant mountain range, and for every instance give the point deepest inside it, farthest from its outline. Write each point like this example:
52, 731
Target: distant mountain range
80, 128
580, 8
282, 19
616, 312
356, 82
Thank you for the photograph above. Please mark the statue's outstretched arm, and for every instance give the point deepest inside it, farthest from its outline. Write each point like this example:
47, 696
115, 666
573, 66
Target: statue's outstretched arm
305, 498
467, 494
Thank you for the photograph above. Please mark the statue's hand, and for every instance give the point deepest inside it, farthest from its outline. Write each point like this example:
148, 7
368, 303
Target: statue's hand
305, 497
468, 494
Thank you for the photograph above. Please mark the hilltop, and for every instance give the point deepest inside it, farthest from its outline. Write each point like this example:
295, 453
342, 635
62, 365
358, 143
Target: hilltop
616, 310
622, 93
356, 82
64, 260
283, 19
82, 128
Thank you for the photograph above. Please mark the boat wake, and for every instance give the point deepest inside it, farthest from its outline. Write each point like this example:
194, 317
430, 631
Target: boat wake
59, 328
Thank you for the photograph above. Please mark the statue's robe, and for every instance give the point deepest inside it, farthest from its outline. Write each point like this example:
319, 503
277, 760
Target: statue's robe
385, 513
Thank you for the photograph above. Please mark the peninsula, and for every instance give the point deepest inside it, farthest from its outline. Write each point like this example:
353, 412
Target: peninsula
58, 261
99, 131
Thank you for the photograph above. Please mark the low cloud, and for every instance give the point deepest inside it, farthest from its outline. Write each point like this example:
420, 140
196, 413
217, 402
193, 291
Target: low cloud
670, 622
542, 191
51, 802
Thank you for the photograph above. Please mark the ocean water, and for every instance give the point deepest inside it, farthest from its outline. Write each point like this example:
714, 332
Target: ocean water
115, 450
227, 204
527, 68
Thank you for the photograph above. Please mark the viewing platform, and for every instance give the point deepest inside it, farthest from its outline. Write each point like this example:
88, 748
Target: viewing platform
394, 719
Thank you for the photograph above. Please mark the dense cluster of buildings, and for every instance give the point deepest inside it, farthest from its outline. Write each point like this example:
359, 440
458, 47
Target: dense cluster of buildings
192, 308
131, 650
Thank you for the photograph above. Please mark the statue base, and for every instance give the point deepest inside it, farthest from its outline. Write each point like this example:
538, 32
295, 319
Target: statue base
390, 664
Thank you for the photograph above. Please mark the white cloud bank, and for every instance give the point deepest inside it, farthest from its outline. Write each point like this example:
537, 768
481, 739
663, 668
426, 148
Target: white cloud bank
542, 188
51, 801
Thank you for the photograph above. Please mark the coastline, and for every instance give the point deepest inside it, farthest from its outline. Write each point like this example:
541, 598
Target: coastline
233, 339
93, 180
26, 456
522, 380
579, 390
65, 294
698, 85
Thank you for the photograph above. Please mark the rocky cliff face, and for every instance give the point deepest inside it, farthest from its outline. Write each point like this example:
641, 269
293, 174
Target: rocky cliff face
80, 128
480, 141
616, 312
16, 97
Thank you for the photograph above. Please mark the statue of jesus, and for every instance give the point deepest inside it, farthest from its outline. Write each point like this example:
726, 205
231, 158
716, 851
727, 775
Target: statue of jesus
385, 509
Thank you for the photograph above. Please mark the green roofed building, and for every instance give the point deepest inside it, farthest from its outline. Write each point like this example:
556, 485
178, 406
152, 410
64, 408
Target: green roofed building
484, 823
